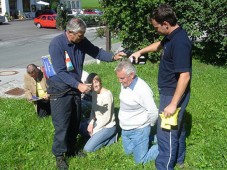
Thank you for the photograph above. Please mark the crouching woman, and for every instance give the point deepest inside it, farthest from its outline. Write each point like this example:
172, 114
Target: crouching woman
102, 124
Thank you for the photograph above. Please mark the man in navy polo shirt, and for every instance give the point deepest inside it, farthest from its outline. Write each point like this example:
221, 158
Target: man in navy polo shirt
174, 84
67, 52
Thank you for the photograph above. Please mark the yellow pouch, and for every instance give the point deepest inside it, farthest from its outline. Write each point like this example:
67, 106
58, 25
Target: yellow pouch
167, 122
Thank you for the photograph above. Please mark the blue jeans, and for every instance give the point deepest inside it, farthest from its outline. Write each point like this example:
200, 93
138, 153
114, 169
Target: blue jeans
171, 143
136, 142
104, 137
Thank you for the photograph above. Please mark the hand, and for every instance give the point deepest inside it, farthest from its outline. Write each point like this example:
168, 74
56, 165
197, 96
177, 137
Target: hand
90, 128
119, 56
136, 55
170, 110
46, 97
84, 88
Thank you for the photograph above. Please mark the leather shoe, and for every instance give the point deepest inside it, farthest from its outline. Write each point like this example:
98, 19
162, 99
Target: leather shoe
61, 163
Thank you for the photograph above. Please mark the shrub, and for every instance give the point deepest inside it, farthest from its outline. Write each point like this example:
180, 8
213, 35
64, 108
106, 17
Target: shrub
205, 22
61, 17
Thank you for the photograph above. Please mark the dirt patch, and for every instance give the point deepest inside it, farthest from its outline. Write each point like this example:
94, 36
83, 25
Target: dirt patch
16, 91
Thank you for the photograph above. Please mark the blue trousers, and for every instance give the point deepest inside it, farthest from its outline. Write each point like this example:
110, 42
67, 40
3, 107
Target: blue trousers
65, 111
171, 143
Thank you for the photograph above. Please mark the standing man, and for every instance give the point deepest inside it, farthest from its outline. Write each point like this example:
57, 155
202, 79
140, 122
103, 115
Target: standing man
35, 88
173, 82
137, 114
67, 53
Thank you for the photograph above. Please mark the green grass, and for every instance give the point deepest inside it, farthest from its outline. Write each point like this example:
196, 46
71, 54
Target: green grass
93, 4
25, 140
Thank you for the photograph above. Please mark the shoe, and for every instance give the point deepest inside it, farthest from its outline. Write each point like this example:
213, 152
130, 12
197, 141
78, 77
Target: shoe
81, 154
61, 163
116, 139
180, 165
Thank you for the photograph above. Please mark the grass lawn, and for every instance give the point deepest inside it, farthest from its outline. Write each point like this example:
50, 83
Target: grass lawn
25, 140
90, 4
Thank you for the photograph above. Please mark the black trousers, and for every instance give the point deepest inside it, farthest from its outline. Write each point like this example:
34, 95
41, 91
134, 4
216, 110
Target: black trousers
66, 112
43, 108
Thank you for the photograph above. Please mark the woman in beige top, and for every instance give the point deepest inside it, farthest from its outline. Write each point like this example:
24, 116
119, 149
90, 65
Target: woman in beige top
102, 124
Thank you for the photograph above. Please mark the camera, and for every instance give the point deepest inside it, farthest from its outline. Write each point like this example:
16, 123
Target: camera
141, 59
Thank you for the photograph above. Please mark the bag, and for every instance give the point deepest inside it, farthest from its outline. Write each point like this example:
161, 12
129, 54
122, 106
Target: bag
48, 67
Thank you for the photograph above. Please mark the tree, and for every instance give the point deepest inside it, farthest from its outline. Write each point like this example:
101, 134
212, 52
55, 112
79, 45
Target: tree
204, 20
61, 17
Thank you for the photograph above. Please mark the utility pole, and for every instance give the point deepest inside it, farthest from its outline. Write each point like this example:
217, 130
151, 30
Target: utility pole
108, 39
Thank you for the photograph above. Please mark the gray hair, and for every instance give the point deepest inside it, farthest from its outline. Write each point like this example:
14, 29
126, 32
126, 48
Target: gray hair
76, 25
127, 66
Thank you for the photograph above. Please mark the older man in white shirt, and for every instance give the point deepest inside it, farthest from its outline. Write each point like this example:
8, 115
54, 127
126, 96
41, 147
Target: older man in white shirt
138, 112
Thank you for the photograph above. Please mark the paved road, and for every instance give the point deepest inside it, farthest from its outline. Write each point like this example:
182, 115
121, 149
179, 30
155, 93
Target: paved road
15, 30
22, 43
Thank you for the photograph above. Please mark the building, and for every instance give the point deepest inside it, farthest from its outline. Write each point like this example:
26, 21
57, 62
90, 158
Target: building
28, 7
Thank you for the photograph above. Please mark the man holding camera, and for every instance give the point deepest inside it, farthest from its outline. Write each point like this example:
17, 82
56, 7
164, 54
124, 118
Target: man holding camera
174, 84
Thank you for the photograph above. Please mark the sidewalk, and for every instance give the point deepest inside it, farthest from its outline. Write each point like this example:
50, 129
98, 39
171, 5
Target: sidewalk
12, 79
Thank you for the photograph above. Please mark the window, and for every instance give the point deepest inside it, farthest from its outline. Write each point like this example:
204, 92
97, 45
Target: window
77, 4
43, 18
68, 4
73, 5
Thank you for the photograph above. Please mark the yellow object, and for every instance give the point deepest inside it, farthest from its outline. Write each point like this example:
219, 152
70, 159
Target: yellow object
167, 122
41, 92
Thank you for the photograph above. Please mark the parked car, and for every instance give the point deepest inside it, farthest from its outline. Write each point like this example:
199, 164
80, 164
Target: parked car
46, 21
2, 19
98, 11
89, 12
45, 11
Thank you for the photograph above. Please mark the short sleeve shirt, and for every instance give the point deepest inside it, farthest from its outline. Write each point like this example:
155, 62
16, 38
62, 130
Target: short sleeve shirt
175, 59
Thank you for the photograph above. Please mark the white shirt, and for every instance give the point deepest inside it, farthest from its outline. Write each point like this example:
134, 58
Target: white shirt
137, 106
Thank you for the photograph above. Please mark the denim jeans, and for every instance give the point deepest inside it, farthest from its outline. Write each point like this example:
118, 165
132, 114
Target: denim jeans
104, 137
136, 142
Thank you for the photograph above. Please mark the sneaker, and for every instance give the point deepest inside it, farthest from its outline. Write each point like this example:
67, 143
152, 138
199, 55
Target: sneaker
116, 139
61, 163
81, 154
180, 165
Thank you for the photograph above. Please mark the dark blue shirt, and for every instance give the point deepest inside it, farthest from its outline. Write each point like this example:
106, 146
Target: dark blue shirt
76, 52
176, 58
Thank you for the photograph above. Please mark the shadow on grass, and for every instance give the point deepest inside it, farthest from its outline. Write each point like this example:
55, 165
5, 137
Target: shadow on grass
188, 123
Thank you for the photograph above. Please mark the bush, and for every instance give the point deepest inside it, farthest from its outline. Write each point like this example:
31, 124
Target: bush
61, 19
205, 21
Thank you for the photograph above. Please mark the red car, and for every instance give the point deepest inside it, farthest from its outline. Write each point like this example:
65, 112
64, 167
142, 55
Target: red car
46, 21
89, 12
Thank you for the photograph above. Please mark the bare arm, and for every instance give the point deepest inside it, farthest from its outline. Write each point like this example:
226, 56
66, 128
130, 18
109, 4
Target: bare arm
151, 48
180, 89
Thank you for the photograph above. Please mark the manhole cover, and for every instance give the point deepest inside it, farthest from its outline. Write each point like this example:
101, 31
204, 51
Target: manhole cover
16, 91
8, 73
